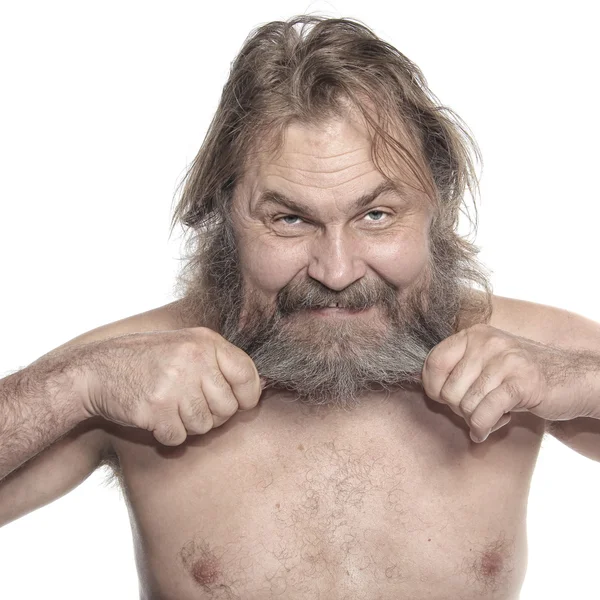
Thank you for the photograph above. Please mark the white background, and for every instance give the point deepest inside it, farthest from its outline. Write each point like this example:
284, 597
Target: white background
103, 105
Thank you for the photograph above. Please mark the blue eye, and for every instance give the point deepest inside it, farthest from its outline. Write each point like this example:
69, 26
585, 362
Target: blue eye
288, 217
377, 211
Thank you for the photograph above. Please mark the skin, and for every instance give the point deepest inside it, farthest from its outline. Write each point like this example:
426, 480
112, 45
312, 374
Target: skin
390, 500
326, 170
294, 261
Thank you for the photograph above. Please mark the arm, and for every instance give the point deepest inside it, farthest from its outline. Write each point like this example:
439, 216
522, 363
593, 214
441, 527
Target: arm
578, 332
552, 325
55, 471
55, 468
38, 405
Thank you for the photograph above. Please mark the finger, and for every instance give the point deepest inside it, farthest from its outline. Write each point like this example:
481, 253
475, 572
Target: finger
440, 362
169, 429
195, 413
241, 375
462, 377
490, 378
490, 410
502, 422
220, 398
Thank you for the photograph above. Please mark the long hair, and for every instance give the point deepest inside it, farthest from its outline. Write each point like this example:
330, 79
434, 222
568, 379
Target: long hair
309, 69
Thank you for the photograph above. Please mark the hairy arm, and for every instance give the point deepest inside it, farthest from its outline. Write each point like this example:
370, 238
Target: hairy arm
38, 405
43, 448
557, 326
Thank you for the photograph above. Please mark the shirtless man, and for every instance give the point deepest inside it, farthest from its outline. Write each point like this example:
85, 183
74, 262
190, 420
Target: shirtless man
304, 451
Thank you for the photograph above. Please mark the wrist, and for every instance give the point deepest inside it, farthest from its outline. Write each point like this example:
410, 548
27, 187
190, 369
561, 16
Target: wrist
594, 401
67, 384
587, 375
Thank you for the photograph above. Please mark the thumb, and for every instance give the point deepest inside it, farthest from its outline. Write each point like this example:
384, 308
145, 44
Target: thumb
419, 374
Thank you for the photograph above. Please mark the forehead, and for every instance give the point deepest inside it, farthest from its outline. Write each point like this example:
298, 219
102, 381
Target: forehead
329, 146
333, 157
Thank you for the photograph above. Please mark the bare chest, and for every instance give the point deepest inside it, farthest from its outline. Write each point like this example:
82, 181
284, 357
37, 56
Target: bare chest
391, 500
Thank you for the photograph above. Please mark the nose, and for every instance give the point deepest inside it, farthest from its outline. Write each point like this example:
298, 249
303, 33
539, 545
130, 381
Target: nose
335, 260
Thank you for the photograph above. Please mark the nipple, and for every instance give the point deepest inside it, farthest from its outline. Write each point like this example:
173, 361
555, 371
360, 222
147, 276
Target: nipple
201, 562
205, 570
491, 563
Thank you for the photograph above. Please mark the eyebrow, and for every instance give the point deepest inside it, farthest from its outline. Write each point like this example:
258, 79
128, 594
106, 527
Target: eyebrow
273, 197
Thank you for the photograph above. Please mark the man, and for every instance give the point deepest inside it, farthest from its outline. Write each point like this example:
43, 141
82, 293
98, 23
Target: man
354, 475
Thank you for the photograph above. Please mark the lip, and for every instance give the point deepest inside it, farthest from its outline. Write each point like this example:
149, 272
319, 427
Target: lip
339, 312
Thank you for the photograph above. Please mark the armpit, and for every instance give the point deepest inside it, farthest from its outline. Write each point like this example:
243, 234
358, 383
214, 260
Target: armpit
113, 472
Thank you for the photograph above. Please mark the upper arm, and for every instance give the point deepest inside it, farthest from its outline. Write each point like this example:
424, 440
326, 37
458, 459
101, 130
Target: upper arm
55, 471
67, 462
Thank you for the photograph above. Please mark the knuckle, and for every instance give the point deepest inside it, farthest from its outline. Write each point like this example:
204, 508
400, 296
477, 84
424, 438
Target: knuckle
457, 374
436, 361
244, 373
228, 409
199, 409
470, 400
496, 343
204, 334
190, 350
197, 415
218, 421
166, 431
218, 379
205, 425
225, 405
448, 394
157, 399
513, 390
172, 371
484, 381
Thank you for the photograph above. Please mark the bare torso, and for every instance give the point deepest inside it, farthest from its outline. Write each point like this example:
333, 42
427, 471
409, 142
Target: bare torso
390, 500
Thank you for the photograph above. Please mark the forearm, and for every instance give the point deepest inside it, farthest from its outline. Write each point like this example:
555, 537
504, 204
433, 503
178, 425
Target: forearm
38, 405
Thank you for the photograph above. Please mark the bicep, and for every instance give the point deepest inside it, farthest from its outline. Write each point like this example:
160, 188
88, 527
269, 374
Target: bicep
55, 471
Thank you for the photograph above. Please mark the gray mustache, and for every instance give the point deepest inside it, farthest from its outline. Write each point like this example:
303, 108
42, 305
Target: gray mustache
294, 299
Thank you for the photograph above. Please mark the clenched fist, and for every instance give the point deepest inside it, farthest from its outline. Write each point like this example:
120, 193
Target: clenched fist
172, 383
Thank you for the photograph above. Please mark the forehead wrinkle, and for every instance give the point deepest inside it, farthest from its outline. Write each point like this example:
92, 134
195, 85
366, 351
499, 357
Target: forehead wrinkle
334, 171
312, 155
273, 197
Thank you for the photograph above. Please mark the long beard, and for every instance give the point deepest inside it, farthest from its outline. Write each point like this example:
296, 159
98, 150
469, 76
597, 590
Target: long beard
332, 361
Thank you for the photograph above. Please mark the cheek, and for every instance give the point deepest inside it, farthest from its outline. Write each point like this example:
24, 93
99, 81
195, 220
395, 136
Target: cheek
404, 260
267, 267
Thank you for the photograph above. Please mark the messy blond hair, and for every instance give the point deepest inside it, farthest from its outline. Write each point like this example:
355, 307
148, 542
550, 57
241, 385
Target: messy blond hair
307, 70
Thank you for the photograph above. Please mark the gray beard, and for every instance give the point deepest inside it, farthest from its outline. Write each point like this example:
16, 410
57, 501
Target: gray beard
324, 360
335, 361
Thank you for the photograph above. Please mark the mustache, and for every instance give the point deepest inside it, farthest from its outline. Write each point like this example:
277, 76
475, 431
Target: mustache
311, 294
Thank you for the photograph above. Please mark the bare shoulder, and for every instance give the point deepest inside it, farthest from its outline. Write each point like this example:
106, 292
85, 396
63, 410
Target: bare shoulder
163, 318
545, 323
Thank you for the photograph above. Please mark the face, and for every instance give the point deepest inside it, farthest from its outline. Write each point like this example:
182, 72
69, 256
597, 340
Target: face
336, 291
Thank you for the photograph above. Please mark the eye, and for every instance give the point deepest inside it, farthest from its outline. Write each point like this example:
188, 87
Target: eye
377, 212
288, 217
